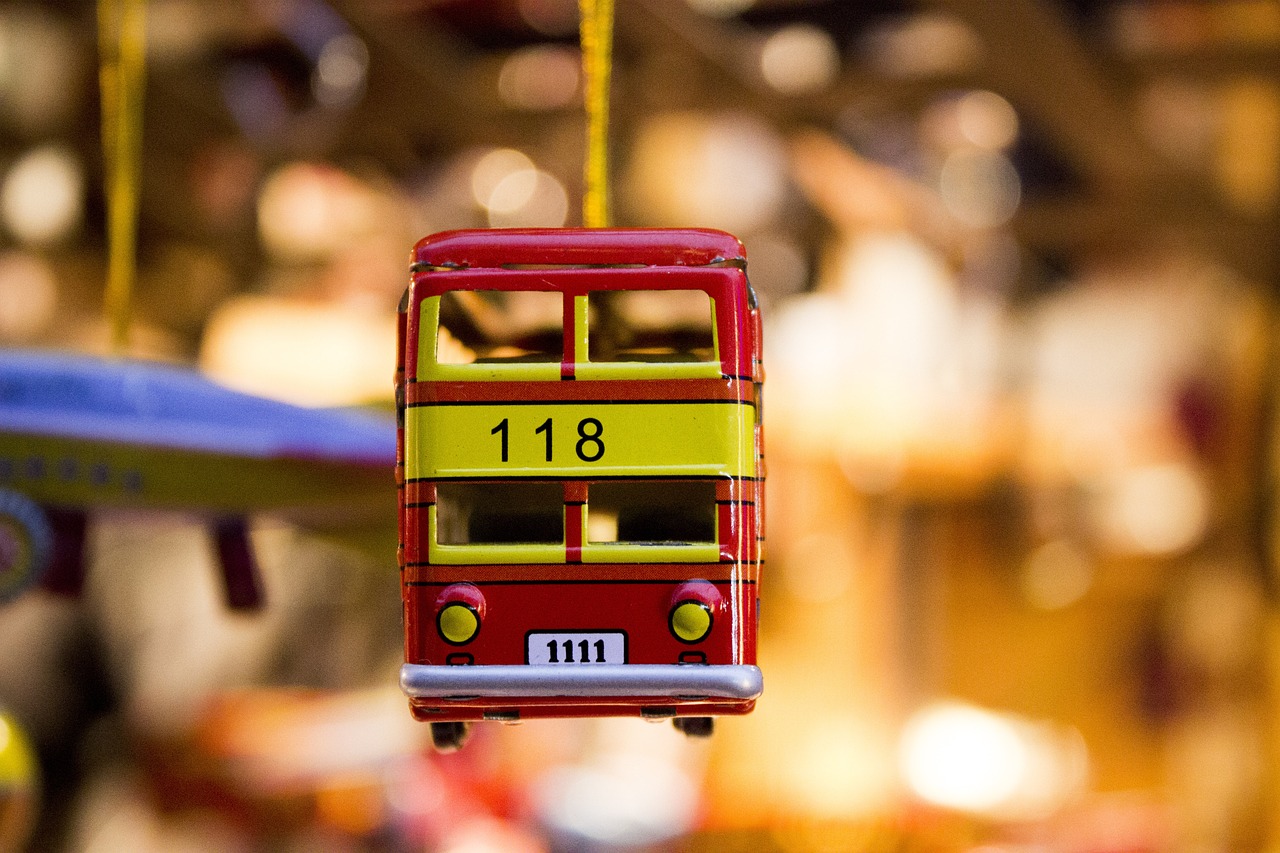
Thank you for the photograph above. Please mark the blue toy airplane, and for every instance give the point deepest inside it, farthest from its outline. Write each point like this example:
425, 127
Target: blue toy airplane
79, 433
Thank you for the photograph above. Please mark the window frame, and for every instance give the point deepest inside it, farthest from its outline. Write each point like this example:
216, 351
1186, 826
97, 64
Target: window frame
431, 369
557, 552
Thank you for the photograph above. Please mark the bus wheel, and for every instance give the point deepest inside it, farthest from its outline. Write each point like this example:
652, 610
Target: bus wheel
26, 544
448, 737
694, 726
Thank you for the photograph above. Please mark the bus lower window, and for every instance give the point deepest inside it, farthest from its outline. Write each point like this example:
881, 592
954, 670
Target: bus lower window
496, 326
650, 325
499, 513
669, 512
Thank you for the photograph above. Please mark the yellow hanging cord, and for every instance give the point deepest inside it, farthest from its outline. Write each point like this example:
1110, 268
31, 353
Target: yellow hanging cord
121, 79
596, 35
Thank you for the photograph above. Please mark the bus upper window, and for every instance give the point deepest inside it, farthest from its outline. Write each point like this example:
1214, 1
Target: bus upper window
494, 513
500, 326
661, 511
651, 326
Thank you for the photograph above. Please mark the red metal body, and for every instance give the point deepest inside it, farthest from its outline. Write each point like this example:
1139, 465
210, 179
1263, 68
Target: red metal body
567, 601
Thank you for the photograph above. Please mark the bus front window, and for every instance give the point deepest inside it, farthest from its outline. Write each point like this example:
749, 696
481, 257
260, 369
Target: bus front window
500, 513
500, 326
665, 511
651, 326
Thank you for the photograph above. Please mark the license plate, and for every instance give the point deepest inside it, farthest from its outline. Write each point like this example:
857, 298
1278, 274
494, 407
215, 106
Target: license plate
561, 647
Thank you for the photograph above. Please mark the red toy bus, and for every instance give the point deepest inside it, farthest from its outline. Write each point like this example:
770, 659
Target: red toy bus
581, 477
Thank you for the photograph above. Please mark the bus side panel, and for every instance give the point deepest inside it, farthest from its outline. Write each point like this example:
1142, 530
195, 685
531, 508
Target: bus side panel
403, 525
418, 499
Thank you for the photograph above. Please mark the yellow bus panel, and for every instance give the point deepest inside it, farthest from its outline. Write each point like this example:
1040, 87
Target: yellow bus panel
580, 440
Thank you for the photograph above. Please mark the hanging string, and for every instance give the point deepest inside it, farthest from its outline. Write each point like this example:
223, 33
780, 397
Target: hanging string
596, 35
121, 79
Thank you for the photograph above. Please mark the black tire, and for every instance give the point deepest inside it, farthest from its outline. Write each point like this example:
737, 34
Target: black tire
26, 544
448, 737
694, 726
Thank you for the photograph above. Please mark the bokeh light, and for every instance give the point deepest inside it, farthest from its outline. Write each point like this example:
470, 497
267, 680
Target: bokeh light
962, 757
28, 296
922, 45
1155, 509
314, 354
341, 69
307, 211
42, 199
630, 785
885, 362
507, 168
978, 119
540, 77
980, 188
987, 120
1056, 575
800, 58
515, 193
725, 171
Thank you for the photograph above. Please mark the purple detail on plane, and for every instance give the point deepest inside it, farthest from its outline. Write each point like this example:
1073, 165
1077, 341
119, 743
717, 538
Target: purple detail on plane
243, 585
65, 575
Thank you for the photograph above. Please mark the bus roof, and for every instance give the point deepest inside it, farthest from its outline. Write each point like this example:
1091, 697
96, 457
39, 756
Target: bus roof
492, 248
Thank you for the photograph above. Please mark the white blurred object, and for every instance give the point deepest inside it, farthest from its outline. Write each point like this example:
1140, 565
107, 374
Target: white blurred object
529, 200
515, 193
1154, 509
42, 198
890, 360
967, 758
636, 787
800, 58
310, 211
309, 353
502, 168
726, 171
490, 835
837, 767
1106, 358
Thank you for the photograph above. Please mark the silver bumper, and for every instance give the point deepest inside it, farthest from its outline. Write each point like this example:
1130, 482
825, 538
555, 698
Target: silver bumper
674, 681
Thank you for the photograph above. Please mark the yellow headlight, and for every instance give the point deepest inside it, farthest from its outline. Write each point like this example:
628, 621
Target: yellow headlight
458, 623
690, 621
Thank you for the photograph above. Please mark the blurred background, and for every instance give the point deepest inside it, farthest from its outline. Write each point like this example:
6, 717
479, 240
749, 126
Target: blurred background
1018, 263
